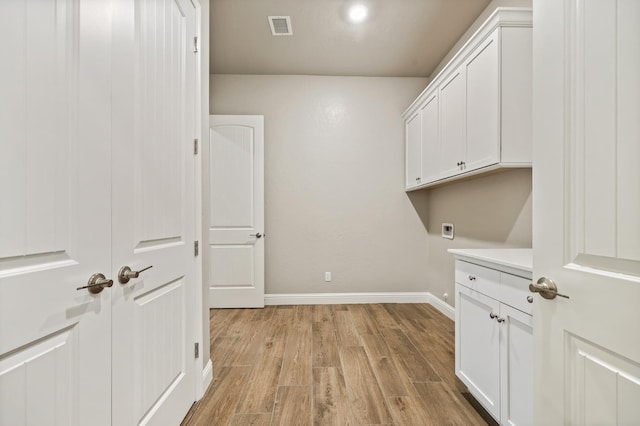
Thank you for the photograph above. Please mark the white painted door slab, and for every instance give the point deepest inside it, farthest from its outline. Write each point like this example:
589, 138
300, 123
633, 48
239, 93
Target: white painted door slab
154, 213
236, 212
55, 211
587, 211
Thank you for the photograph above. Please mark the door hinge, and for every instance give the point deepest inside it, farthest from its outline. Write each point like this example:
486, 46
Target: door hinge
195, 147
195, 44
196, 248
197, 350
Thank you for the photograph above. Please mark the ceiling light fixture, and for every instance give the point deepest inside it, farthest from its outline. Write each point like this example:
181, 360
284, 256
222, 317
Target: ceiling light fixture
358, 12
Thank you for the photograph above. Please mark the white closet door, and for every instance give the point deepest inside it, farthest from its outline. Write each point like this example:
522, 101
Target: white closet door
154, 213
236, 212
55, 211
586, 210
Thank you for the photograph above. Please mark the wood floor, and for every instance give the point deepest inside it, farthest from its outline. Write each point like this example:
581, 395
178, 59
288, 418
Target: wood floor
390, 364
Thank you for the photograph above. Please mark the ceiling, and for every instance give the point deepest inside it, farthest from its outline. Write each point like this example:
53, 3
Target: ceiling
401, 38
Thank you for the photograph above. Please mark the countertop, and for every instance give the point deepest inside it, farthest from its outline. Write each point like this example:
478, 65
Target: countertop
518, 259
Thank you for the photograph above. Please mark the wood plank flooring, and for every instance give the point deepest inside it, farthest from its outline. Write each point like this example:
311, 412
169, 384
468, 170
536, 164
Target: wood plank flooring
384, 364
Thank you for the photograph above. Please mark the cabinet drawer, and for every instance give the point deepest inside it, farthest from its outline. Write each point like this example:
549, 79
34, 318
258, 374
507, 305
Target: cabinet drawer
479, 278
514, 291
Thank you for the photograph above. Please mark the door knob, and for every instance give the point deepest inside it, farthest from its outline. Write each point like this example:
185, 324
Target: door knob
125, 273
547, 288
257, 235
96, 283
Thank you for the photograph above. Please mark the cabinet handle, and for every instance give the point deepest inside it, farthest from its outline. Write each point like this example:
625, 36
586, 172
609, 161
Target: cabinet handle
492, 315
530, 299
472, 278
418, 179
500, 320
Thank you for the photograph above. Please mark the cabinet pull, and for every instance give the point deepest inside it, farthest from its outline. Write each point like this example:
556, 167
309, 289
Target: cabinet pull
500, 320
492, 315
472, 278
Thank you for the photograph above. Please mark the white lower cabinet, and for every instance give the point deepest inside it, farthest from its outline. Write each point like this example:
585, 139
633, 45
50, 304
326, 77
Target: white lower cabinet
494, 340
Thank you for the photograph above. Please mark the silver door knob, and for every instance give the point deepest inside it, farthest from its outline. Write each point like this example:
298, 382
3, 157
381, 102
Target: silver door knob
547, 288
125, 273
257, 235
96, 283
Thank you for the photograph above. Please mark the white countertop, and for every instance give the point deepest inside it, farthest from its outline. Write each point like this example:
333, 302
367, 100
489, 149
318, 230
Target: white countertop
521, 259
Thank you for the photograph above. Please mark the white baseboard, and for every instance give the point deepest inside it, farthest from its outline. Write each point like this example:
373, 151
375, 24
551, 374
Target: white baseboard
207, 377
448, 310
344, 298
359, 298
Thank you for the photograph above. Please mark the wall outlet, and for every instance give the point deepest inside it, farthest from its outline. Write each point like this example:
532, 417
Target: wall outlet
327, 276
447, 231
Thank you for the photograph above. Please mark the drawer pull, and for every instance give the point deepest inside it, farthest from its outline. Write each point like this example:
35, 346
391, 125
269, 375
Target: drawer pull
472, 278
500, 320
530, 299
492, 315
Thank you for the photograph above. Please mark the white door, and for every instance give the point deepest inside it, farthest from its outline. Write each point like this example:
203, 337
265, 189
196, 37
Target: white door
453, 136
483, 105
430, 139
236, 211
154, 213
55, 212
413, 135
587, 211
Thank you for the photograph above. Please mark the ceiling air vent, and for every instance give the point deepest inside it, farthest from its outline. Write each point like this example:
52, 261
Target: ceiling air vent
280, 25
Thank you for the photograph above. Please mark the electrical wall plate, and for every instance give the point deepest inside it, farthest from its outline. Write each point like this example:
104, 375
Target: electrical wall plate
447, 231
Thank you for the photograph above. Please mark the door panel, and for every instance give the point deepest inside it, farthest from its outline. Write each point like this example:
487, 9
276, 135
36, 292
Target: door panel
55, 212
483, 105
413, 132
430, 140
586, 215
516, 375
154, 213
236, 253
479, 336
453, 133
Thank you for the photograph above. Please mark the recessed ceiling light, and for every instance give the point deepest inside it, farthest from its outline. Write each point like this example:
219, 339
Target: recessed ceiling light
358, 13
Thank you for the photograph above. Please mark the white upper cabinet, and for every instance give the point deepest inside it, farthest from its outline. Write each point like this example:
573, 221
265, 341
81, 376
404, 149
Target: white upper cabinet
414, 151
452, 124
430, 138
483, 105
476, 113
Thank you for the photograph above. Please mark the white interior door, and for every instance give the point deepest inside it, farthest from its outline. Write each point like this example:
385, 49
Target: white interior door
236, 211
587, 211
154, 213
55, 212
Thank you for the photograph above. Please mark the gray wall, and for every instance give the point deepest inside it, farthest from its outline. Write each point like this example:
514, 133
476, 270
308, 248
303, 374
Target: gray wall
334, 167
487, 212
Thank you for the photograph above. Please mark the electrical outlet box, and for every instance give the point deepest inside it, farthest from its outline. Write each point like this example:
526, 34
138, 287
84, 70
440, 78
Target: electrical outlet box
447, 231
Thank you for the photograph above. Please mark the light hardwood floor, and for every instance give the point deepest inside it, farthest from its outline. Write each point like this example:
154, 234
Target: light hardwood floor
389, 364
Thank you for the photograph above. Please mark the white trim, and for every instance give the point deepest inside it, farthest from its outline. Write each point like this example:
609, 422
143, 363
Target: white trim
448, 310
344, 298
207, 378
359, 298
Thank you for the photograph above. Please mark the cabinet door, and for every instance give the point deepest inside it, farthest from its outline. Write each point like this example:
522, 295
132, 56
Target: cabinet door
478, 346
452, 124
413, 159
483, 105
516, 367
430, 140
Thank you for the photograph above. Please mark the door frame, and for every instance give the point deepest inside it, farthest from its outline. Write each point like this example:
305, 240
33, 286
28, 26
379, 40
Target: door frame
202, 123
